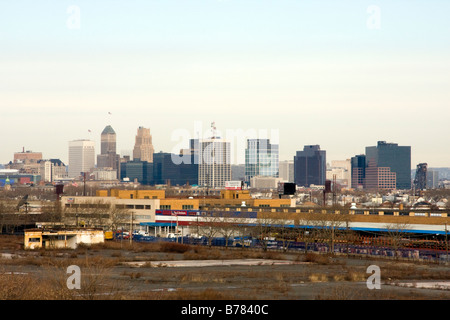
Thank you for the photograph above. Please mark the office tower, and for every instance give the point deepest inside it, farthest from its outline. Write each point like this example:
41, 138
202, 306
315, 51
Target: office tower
379, 178
310, 166
420, 179
432, 179
214, 162
167, 171
287, 171
261, 159
108, 158
81, 157
395, 157
143, 147
137, 171
358, 169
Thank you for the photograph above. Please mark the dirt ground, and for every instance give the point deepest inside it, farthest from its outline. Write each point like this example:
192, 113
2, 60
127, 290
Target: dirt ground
144, 271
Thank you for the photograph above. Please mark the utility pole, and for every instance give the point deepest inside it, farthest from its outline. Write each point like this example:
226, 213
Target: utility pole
131, 228
446, 244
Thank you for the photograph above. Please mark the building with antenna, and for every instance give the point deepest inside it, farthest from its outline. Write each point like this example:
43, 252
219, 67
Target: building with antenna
214, 161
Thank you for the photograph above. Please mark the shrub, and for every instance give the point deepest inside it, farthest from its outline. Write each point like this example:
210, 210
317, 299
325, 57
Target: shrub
174, 247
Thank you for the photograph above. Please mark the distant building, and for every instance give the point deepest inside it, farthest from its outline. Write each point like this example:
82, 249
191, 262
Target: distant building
261, 182
137, 171
143, 147
261, 159
341, 171
52, 169
358, 169
166, 171
432, 179
420, 180
395, 157
27, 156
27, 162
310, 166
81, 157
286, 172
379, 178
214, 163
238, 172
108, 158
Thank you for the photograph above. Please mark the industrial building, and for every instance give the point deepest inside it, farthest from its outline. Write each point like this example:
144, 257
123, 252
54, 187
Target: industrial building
62, 238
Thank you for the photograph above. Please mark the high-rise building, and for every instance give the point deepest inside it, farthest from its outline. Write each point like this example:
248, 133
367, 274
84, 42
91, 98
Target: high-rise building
214, 162
379, 178
108, 158
395, 157
310, 166
420, 179
81, 157
261, 159
358, 169
137, 171
432, 179
143, 147
166, 171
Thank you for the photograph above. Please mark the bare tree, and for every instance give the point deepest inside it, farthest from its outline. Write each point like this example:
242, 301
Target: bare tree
396, 233
330, 225
264, 228
209, 225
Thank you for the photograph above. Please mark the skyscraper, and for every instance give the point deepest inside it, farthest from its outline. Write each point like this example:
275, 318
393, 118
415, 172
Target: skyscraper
310, 166
108, 157
395, 157
358, 163
261, 159
81, 157
165, 171
143, 147
214, 162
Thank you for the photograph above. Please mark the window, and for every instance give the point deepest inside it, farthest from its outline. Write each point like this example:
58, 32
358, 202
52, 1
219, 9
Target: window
188, 207
148, 207
165, 207
139, 206
34, 240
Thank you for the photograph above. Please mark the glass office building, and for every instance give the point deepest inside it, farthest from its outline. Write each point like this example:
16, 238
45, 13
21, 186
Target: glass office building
310, 166
261, 159
395, 157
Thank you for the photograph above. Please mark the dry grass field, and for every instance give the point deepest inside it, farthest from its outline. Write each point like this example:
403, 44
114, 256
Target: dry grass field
106, 274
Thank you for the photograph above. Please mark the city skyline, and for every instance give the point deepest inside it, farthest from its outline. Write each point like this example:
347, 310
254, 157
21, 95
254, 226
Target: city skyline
342, 75
233, 143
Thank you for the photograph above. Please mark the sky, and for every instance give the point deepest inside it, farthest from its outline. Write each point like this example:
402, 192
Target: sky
341, 74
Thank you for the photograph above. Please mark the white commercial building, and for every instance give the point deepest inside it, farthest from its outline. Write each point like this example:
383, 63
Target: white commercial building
81, 157
214, 163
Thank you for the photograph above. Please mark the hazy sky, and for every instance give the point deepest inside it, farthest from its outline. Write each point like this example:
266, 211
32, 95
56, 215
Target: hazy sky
341, 74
